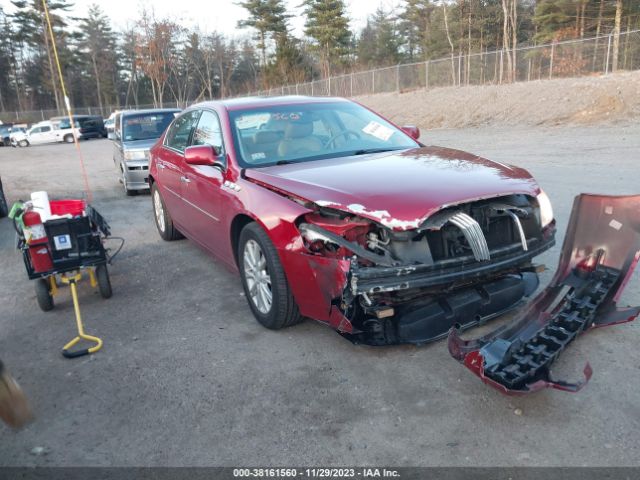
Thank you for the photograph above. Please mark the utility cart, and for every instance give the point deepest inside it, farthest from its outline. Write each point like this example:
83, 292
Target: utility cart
67, 244
73, 243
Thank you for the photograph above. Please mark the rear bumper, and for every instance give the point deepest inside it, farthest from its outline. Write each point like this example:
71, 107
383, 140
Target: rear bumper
387, 279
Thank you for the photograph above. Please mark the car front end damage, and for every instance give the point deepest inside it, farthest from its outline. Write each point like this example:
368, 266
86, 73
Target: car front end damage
387, 282
600, 251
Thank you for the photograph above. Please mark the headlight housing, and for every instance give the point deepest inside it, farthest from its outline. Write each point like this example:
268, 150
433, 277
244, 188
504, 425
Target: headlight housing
546, 210
136, 154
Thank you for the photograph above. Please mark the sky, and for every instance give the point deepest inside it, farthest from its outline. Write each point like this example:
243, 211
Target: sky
218, 15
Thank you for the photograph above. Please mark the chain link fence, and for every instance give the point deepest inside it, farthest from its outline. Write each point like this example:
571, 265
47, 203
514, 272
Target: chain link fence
571, 58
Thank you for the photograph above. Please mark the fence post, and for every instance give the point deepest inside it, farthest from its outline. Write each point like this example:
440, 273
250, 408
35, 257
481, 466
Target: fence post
553, 52
426, 74
329, 81
398, 78
501, 65
373, 81
351, 81
606, 68
42, 114
297, 92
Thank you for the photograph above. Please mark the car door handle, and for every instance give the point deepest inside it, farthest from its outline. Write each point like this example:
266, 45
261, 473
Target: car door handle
185, 180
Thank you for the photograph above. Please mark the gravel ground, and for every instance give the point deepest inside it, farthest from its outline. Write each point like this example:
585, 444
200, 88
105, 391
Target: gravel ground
561, 101
187, 377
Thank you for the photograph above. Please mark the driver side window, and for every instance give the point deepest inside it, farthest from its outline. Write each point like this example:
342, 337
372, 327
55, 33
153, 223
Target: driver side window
180, 131
208, 132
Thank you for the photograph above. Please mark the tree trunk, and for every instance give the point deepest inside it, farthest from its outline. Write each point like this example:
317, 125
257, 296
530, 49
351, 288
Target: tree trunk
95, 71
52, 73
506, 38
616, 35
446, 27
598, 27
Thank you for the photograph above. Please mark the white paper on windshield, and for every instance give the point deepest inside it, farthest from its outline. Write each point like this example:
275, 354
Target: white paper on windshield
377, 130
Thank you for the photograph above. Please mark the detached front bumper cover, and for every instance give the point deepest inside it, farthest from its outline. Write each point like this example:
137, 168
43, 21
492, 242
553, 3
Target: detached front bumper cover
600, 251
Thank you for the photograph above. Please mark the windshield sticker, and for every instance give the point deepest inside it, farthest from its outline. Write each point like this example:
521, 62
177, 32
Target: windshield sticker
379, 131
258, 156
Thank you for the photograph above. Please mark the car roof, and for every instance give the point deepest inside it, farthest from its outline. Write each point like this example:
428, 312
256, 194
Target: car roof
148, 110
257, 102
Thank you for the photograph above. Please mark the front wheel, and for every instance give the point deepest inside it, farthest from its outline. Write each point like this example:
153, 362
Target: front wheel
68, 138
264, 281
164, 224
23, 143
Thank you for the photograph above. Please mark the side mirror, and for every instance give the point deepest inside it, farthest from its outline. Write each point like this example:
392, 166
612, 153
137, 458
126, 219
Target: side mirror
412, 131
204, 155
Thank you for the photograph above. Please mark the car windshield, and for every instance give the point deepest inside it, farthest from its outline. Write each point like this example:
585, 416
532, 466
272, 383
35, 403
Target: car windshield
299, 133
145, 126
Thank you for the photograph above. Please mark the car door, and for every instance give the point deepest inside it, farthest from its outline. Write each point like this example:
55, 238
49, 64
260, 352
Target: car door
47, 133
202, 185
170, 162
36, 137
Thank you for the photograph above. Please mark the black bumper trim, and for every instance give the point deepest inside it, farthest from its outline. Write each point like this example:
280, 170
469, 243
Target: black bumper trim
387, 279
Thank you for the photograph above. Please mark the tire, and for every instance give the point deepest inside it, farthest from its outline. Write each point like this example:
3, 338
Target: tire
4, 206
164, 224
104, 283
68, 138
43, 294
23, 143
257, 259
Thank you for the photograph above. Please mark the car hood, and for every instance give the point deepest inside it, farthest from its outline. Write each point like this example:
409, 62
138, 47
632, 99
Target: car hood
397, 189
139, 144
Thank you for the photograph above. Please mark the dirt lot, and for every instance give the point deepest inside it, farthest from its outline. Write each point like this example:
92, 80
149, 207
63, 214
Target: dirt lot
562, 101
187, 377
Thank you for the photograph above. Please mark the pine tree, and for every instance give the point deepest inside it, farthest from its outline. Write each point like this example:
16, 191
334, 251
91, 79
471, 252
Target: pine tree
328, 26
31, 31
269, 19
97, 46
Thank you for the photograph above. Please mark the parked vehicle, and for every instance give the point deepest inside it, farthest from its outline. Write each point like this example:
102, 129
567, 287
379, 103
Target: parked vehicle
5, 133
40, 133
4, 206
88, 127
135, 133
331, 212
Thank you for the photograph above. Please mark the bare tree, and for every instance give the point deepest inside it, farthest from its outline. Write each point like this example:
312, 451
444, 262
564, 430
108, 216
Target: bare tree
616, 35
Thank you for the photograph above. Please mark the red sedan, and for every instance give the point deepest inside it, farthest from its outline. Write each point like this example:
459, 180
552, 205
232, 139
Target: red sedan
331, 212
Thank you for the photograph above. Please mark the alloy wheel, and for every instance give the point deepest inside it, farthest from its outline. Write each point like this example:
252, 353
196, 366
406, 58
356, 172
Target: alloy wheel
257, 276
159, 210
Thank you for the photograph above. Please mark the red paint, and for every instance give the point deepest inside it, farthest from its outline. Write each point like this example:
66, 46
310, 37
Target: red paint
408, 185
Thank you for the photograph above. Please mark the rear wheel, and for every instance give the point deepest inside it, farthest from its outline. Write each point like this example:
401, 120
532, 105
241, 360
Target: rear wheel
164, 224
264, 281
104, 283
43, 294
68, 138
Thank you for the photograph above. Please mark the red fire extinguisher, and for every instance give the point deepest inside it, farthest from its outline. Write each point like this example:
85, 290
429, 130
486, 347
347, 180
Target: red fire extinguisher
36, 238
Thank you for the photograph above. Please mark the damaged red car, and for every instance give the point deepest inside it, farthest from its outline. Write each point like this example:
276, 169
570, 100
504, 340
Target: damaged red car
329, 211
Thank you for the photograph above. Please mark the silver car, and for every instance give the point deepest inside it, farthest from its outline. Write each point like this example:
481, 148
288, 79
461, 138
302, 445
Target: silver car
135, 132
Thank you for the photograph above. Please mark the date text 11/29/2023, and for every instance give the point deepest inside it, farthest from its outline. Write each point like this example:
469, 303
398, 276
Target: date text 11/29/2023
316, 472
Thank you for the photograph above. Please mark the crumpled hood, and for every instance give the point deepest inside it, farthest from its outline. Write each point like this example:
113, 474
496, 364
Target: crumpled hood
398, 189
